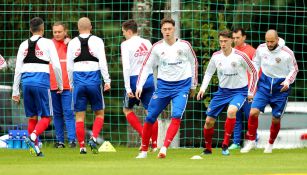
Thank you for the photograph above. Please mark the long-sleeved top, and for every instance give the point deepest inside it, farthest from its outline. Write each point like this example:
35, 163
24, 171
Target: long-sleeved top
37, 74
61, 48
231, 71
175, 62
133, 53
87, 72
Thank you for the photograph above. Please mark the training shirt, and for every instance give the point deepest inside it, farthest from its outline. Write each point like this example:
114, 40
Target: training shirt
36, 74
61, 48
133, 53
231, 71
175, 62
279, 63
90, 69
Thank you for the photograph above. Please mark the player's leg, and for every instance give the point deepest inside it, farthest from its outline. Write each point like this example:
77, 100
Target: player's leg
69, 117
58, 119
80, 104
237, 131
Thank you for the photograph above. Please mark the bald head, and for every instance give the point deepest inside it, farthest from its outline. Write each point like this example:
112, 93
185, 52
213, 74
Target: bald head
84, 25
271, 39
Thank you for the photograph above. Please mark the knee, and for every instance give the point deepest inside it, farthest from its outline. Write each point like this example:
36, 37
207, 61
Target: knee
231, 112
209, 123
275, 120
254, 113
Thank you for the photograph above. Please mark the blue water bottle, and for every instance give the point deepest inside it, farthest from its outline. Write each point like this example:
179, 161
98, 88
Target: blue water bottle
23, 143
17, 141
10, 142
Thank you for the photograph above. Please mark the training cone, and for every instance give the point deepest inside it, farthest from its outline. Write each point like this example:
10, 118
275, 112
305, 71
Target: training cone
106, 147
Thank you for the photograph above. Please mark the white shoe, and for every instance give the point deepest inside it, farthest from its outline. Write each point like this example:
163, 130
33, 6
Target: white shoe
142, 155
268, 149
162, 153
250, 144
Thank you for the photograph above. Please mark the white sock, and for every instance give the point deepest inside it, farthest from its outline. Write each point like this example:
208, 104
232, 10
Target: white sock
33, 136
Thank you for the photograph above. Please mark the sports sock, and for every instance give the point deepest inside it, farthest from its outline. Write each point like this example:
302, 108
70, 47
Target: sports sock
80, 132
171, 131
208, 134
97, 126
252, 127
134, 122
154, 136
31, 125
42, 125
229, 126
147, 131
275, 127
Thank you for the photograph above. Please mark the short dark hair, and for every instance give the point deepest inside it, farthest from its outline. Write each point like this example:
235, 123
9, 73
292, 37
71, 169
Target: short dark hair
225, 33
59, 23
35, 24
167, 20
130, 25
236, 30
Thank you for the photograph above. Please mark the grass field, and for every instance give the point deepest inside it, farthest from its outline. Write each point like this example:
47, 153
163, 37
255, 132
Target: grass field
69, 162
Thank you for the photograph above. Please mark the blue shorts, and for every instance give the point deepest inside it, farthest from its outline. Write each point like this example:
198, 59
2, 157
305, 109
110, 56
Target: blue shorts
91, 93
224, 97
277, 101
158, 104
37, 101
145, 98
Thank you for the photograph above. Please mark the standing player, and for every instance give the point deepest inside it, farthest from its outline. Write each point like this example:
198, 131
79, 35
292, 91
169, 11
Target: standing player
61, 103
133, 52
32, 69
86, 63
239, 37
279, 70
177, 75
231, 66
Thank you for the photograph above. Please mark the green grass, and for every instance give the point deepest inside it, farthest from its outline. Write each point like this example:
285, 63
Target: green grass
69, 162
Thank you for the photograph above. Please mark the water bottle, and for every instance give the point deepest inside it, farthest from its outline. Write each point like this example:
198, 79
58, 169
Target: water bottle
10, 142
23, 143
17, 141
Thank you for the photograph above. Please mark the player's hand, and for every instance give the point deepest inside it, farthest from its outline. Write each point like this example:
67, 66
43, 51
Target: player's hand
16, 99
106, 87
250, 98
138, 93
285, 86
130, 95
192, 93
200, 94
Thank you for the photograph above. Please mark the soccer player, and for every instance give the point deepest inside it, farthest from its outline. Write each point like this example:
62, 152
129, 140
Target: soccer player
32, 70
279, 70
231, 66
133, 52
63, 113
86, 63
239, 37
177, 76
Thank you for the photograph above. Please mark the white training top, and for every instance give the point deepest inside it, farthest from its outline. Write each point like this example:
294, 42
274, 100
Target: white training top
231, 71
44, 50
279, 63
133, 53
175, 62
96, 48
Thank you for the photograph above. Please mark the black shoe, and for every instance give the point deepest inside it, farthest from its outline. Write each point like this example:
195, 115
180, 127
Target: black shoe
72, 144
40, 154
206, 151
59, 145
93, 146
82, 151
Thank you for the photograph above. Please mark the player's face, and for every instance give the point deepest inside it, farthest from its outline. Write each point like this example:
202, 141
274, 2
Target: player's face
59, 32
225, 43
125, 33
271, 42
168, 31
238, 39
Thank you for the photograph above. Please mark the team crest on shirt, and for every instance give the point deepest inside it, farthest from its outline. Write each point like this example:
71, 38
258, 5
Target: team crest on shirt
179, 52
233, 64
277, 60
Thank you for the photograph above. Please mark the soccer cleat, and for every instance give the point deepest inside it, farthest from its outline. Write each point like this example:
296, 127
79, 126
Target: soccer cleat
40, 154
225, 150
33, 150
206, 152
93, 146
59, 145
250, 144
234, 146
72, 144
162, 153
82, 150
268, 149
142, 155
